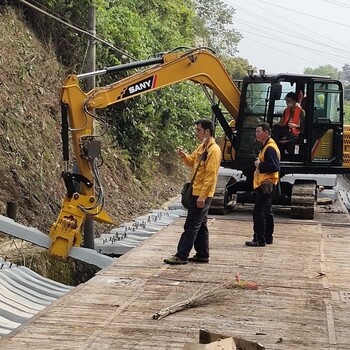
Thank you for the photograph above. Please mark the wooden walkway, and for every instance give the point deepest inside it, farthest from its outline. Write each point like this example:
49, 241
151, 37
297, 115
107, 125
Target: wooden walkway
303, 300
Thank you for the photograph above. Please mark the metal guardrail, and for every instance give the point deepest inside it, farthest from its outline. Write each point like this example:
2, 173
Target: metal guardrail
23, 294
130, 234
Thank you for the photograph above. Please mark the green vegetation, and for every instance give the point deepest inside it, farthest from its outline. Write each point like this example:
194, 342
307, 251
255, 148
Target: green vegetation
326, 70
347, 112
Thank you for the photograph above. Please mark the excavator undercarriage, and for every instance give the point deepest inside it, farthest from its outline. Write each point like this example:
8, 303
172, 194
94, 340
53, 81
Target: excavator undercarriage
301, 197
303, 201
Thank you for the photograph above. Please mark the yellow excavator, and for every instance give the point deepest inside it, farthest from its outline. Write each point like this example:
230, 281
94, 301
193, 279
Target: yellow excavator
321, 149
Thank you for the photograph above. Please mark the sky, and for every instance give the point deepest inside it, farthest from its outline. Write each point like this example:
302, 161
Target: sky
289, 36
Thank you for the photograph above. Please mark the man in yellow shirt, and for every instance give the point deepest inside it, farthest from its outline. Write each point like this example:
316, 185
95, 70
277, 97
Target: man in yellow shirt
196, 232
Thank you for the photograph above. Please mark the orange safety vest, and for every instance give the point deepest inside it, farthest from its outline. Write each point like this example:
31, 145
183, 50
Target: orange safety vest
296, 118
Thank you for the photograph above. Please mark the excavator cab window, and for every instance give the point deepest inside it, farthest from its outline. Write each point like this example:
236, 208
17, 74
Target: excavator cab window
326, 124
292, 146
254, 107
255, 104
326, 103
278, 100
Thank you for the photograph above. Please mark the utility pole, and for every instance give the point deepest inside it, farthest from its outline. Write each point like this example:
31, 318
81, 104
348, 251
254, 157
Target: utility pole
89, 226
91, 53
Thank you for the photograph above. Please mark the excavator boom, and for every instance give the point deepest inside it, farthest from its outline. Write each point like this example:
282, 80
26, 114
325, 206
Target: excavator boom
198, 65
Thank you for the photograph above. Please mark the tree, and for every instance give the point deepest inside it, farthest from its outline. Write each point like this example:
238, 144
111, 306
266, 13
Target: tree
326, 70
345, 78
346, 73
347, 112
155, 123
145, 27
236, 66
214, 26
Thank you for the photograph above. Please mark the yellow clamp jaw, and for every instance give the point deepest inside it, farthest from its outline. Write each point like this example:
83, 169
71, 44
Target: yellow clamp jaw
66, 232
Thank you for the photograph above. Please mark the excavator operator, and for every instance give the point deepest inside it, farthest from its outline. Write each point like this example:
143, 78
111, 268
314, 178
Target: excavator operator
291, 123
292, 118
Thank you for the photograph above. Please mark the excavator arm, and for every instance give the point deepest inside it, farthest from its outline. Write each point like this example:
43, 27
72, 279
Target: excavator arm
197, 65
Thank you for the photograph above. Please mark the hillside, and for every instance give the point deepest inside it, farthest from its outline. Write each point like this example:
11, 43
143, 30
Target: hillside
30, 142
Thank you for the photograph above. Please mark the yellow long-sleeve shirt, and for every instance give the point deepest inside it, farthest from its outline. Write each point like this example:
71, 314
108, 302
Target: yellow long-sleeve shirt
207, 175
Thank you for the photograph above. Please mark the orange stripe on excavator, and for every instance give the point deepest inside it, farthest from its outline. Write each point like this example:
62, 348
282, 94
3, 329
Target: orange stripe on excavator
154, 81
315, 147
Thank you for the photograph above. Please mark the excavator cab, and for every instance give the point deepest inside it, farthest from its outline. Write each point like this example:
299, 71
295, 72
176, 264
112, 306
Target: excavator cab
317, 149
319, 143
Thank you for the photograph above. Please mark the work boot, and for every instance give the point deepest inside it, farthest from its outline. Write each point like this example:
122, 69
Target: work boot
254, 243
198, 259
269, 240
174, 260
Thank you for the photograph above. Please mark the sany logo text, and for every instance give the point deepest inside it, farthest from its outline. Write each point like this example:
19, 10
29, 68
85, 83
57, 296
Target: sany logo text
140, 86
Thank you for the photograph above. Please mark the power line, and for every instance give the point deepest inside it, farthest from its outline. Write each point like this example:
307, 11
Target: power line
77, 29
336, 54
306, 14
303, 36
338, 3
279, 39
284, 41
253, 26
300, 46
276, 49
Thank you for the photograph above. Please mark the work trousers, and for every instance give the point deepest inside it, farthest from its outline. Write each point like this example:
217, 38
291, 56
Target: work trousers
196, 232
263, 217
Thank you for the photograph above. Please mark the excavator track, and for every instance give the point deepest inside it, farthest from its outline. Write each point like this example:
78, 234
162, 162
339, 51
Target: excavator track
303, 201
222, 202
